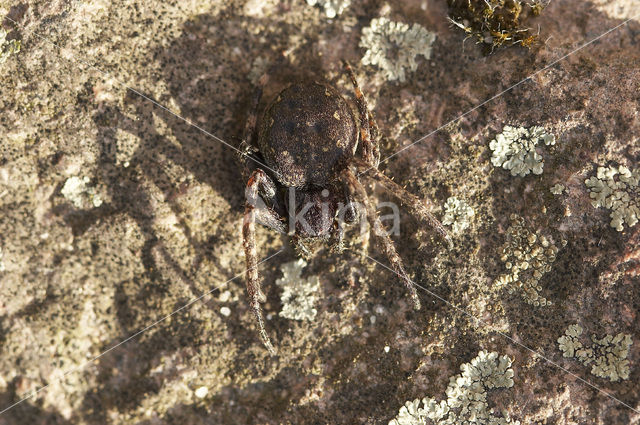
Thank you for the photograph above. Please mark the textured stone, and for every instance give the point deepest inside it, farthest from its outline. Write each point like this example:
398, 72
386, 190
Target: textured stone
79, 279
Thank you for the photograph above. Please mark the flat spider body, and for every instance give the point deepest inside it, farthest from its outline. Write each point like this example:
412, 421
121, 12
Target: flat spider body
308, 134
302, 176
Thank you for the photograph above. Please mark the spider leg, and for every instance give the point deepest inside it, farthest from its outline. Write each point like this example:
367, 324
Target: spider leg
350, 213
337, 233
370, 149
347, 213
375, 132
387, 244
259, 181
301, 248
416, 205
248, 149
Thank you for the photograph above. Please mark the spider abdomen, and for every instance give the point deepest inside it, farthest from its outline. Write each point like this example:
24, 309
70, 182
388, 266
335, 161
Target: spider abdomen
308, 133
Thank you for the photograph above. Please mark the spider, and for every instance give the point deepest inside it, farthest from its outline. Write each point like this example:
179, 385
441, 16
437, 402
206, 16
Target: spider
310, 144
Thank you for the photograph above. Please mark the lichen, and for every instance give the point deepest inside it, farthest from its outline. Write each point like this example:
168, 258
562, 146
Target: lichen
7, 47
515, 149
466, 396
298, 294
458, 214
394, 46
201, 392
608, 355
332, 8
258, 68
617, 189
557, 189
496, 23
78, 191
528, 257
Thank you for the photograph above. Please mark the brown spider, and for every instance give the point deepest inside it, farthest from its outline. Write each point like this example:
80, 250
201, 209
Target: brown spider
307, 145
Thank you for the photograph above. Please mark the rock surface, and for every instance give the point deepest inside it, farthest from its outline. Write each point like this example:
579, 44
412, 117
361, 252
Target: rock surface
115, 213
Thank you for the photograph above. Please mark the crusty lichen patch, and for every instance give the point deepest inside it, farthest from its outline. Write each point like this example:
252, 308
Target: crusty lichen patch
608, 355
7, 47
258, 68
515, 149
458, 214
394, 46
616, 188
80, 193
527, 256
557, 189
298, 294
466, 396
332, 8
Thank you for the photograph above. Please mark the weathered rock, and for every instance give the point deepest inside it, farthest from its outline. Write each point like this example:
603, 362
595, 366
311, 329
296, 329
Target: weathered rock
152, 215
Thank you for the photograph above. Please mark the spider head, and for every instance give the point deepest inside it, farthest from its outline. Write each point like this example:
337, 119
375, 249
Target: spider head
312, 211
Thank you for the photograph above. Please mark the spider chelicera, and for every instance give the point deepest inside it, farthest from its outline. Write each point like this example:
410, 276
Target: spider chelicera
301, 160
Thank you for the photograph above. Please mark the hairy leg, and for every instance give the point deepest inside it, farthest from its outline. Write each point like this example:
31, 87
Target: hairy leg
270, 215
387, 244
353, 212
247, 148
337, 233
300, 247
259, 181
375, 132
415, 204
370, 149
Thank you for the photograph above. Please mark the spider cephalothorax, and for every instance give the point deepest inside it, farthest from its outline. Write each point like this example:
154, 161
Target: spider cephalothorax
302, 175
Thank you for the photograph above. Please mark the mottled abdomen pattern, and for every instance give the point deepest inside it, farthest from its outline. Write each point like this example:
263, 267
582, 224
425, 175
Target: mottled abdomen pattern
308, 134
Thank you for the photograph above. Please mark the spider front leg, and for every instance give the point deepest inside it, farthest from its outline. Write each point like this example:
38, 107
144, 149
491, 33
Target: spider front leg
369, 143
415, 204
256, 211
387, 244
349, 213
300, 247
337, 233
248, 150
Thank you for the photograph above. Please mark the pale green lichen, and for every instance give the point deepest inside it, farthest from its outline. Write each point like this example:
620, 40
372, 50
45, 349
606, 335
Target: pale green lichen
557, 189
7, 47
466, 396
78, 191
515, 149
617, 189
458, 214
258, 68
394, 46
332, 8
528, 257
298, 295
607, 355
